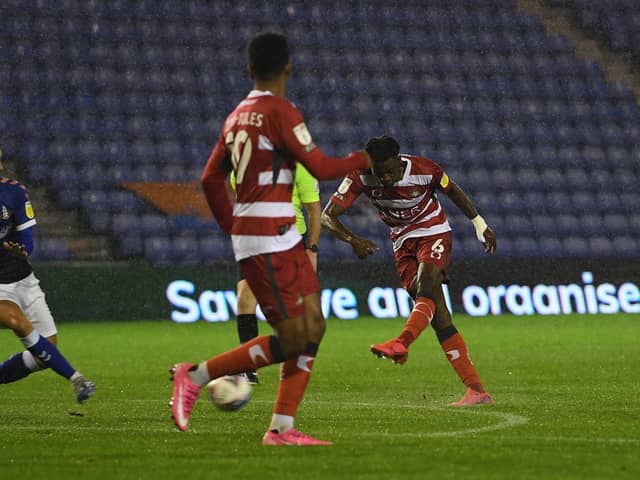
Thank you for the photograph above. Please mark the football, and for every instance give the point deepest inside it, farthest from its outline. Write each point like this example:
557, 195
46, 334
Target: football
229, 393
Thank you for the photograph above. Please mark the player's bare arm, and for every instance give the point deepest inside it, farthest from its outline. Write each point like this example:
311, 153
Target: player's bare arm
314, 212
463, 202
362, 247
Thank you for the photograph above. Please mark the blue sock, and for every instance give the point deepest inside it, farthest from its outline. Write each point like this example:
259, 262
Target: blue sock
47, 353
13, 369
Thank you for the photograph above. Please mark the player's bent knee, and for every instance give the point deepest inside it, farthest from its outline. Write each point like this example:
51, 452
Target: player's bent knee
441, 321
316, 328
293, 347
293, 336
13, 318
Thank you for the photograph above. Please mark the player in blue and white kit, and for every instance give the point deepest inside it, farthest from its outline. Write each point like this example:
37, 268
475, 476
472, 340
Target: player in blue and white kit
23, 308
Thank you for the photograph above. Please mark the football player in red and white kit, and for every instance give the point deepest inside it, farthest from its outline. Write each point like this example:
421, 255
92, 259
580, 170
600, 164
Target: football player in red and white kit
403, 189
261, 141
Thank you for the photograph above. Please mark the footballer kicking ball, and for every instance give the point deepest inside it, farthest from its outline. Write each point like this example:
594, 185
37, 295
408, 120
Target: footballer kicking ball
229, 393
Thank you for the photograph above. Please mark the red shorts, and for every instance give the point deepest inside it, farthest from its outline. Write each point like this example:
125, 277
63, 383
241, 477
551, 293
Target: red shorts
435, 249
279, 281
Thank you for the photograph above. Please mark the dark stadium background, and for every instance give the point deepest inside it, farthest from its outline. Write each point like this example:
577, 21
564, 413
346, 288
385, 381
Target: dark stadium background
531, 106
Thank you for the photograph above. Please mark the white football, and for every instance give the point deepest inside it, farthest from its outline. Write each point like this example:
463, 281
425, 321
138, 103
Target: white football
229, 393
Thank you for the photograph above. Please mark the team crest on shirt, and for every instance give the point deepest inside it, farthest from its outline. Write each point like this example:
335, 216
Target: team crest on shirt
302, 134
28, 210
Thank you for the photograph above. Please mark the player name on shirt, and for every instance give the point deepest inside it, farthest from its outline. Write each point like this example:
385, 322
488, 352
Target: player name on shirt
244, 119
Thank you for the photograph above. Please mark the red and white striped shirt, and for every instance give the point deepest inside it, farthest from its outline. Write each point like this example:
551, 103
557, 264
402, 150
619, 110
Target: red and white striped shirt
262, 139
410, 206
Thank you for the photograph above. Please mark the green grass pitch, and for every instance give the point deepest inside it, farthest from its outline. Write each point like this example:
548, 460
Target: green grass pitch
566, 406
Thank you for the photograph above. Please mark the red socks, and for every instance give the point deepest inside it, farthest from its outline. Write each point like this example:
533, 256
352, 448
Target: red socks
457, 354
265, 350
257, 352
294, 377
418, 320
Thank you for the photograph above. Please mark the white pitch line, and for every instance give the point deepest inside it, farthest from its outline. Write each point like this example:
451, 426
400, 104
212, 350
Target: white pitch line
508, 420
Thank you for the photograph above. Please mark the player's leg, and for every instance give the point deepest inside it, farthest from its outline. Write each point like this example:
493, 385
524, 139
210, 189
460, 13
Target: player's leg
28, 292
434, 254
294, 377
455, 349
189, 378
295, 372
282, 283
25, 363
247, 321
38, 349
430, 280
397, 349
247, 304
256, 353
37, 310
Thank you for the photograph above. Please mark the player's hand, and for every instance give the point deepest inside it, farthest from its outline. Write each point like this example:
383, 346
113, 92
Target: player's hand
489, 241
363, 247
15, 248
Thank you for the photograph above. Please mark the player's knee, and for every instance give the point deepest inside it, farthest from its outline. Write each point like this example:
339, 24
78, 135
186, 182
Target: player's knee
315, 329
247, 302
292, 335
292, 347
15, 320
441, 320
246, 306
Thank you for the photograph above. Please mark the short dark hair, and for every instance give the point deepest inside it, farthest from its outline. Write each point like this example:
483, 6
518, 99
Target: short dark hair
382, 148
268, 54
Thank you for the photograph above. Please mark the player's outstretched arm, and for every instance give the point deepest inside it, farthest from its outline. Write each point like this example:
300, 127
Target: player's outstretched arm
362, 247
464, 203
296, 139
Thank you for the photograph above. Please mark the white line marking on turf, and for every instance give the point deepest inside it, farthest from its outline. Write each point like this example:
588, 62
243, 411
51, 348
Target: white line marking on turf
508, 420
171, 430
